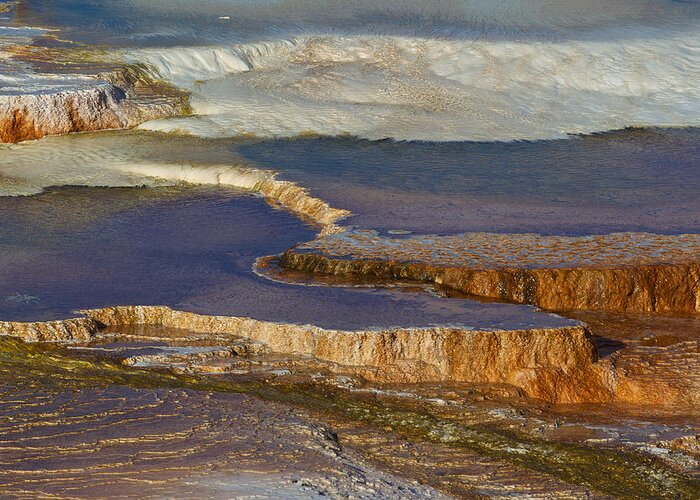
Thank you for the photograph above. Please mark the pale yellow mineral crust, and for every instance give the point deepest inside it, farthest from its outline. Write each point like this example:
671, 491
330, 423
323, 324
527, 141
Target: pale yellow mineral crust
50, 331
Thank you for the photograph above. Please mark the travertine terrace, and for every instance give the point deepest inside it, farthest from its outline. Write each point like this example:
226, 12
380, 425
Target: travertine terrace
364, 249
33, 116
91, 93
99, 107
615, 280
558, 364
621, 272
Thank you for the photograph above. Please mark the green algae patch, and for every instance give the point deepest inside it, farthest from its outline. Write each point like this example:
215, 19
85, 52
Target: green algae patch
53, 367
623, 474
620, 473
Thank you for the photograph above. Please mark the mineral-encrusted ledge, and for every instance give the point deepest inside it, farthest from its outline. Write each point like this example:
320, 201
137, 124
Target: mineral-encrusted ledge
297, 200
642, 288
555, 364
123, 100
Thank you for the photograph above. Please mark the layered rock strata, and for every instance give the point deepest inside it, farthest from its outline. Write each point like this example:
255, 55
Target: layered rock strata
555, 364
624, 272
174, 443
31, 116
51, 331
655, 357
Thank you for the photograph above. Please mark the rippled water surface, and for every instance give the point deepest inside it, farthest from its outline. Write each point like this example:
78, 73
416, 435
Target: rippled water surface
482, 107
625, 181
181, 21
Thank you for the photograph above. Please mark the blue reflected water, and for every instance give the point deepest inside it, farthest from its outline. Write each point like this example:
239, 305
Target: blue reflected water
180, 22
192, 249
635, 180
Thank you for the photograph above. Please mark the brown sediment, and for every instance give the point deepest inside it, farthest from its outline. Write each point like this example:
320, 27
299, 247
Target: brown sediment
614, 283
685, 444
554, 364
655, 357
624, 272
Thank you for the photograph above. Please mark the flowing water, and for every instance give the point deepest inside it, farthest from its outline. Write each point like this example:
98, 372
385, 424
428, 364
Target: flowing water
449, 70
636, 180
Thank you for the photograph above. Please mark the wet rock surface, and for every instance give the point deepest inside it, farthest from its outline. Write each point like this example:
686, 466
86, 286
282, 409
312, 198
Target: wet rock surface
246, 386
686, 444
553, 366
655, 357
50, 88
105, 106
175, 443
116, 101
296, 429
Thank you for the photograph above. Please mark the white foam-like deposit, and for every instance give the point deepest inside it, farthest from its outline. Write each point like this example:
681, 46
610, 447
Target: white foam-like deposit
115, 159
103, 160
186, 66
414, 88
410, 70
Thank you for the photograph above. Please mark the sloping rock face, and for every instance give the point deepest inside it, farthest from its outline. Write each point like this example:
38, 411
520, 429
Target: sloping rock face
298, 200
655, 358
55, 90
48, 331
104, 106
32, 116
624, 272
555, 364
